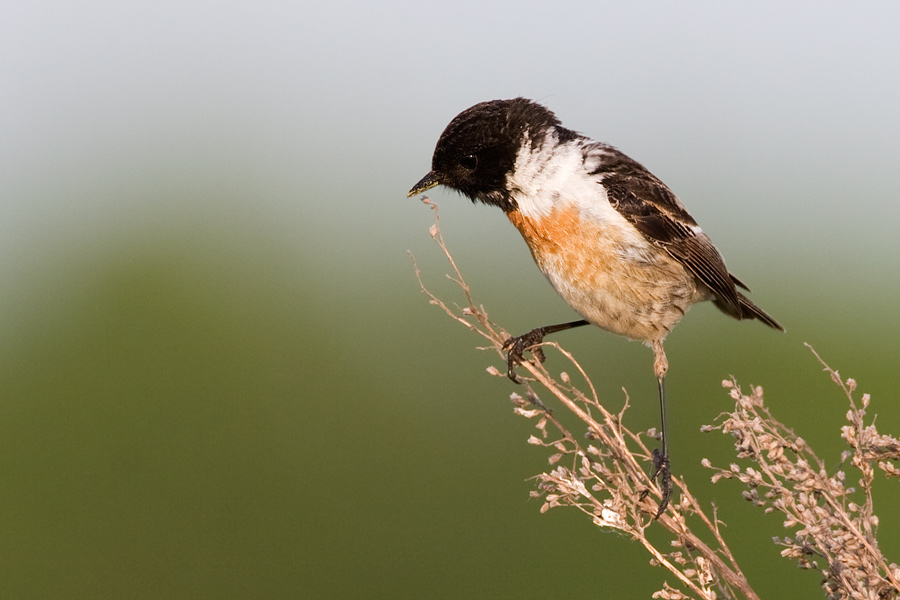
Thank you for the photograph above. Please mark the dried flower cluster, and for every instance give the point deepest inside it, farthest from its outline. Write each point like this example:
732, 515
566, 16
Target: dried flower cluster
834, 526
602, 470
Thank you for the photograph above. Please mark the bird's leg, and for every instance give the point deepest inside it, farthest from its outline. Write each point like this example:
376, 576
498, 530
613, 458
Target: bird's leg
531, 341
661, 458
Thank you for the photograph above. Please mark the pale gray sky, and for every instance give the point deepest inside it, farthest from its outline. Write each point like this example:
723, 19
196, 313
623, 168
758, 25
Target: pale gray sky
768, 119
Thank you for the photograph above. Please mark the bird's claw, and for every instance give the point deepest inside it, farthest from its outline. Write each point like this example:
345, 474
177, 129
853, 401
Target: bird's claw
662, 471
516, 347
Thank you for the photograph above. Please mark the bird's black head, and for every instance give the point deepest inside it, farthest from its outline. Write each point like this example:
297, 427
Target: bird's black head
478, 148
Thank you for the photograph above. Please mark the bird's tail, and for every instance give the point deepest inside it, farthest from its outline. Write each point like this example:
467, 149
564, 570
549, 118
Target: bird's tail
752, 311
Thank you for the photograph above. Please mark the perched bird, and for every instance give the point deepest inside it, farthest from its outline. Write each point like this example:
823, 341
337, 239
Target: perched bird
613, 240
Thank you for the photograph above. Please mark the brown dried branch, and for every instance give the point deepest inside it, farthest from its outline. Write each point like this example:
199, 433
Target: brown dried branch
832, 522
606, 477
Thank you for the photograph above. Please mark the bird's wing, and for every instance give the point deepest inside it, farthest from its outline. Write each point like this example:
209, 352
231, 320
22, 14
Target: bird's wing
655, 211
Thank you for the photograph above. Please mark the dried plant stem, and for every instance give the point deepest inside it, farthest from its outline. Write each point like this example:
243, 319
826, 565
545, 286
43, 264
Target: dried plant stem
608, 481
829, 518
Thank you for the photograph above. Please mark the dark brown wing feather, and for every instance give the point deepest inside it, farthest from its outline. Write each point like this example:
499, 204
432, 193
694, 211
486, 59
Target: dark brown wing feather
752, 311
655, 211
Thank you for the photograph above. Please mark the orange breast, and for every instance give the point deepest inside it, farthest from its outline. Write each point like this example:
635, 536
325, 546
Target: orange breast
584, 252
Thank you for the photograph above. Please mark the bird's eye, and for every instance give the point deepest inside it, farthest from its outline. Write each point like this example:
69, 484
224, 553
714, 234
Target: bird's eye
468, 162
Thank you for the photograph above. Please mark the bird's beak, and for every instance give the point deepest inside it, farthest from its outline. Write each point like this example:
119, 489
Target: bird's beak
425, 184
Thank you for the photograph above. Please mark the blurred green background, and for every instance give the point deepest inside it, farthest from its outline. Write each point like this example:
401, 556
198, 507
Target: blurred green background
218, 377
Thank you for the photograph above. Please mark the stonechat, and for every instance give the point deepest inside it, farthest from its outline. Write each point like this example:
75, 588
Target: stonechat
614, 241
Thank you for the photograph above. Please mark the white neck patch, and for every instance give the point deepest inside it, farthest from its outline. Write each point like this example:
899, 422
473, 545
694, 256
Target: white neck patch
543, 177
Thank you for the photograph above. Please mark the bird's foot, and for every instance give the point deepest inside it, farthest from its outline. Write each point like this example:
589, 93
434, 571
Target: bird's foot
517, 346
663, 472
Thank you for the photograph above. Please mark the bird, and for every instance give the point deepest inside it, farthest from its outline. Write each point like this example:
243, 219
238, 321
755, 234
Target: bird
612, 239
